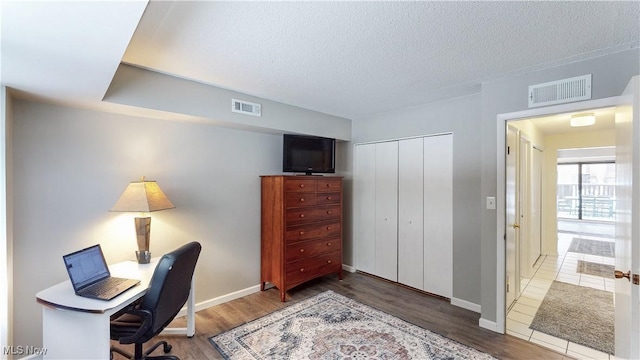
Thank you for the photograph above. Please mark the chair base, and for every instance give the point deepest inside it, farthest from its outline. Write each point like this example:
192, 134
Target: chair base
139, 355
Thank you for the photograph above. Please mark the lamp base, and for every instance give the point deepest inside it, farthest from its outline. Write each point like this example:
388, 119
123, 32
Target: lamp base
144, 257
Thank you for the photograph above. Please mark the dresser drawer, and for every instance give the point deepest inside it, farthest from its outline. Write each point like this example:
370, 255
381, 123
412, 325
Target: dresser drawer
305, 215
302, 270
307, 249
328, 212
328, 185
300, 185
299, 199
312, 231
328, 198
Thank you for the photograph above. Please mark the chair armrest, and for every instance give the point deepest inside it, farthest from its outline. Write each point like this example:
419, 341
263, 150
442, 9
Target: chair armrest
145, 324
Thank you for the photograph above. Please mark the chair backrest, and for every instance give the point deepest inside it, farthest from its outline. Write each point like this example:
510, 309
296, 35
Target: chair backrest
169, 287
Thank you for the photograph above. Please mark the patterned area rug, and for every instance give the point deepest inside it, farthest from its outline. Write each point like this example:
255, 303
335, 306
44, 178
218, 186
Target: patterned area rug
579, 314
331, 326
590, 268
593, 247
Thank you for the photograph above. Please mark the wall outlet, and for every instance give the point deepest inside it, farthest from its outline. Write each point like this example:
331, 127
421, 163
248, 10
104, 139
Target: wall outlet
491, 203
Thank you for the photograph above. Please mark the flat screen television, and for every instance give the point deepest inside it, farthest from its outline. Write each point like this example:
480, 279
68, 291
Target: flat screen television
308, 154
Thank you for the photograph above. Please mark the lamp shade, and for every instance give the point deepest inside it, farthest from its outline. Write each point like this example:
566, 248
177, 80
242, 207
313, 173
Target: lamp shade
142, 196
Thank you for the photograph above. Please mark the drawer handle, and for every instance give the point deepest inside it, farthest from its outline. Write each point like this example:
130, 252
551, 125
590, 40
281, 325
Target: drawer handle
328, 261
329, 198
301, 269
301, 215
301, 199
328, 212
328, 227
301, 232
328, 185
301, 185
301, 250
328, 244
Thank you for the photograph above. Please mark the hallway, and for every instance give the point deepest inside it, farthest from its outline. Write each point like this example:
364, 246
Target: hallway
564, 268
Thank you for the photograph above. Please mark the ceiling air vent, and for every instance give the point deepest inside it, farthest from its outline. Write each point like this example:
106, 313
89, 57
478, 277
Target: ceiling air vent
560, 91
245, 107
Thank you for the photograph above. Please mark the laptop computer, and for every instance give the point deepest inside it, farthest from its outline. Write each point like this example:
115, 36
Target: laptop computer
90, 275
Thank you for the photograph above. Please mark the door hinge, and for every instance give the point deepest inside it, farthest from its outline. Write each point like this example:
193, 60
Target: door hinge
636, 279
508, 150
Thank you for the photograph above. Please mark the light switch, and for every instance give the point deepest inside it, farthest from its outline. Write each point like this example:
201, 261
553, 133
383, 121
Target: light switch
491, 203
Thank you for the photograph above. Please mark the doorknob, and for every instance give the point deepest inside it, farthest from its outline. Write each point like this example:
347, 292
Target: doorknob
516, 226
620, 274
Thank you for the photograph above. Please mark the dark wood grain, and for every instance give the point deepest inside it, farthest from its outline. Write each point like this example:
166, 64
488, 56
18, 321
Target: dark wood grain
426, 311
295, 211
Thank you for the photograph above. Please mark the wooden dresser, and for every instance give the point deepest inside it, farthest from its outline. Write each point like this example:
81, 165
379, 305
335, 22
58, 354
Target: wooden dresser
301, 229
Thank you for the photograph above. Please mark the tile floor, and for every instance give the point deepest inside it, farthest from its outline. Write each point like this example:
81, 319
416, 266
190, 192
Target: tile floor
560, 268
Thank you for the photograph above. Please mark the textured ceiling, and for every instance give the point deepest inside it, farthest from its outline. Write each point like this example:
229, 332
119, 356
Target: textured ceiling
350, 59
64, 51
354, 59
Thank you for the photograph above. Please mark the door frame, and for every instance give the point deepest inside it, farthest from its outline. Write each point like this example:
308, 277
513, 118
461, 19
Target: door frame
501, 124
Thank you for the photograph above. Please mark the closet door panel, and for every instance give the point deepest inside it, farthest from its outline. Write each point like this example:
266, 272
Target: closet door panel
386, 210
410, 212
438, 215
364, 207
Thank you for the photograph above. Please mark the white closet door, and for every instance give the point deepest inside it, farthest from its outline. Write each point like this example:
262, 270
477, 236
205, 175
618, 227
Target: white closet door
410, 212
438, 215
386, 210
364, 186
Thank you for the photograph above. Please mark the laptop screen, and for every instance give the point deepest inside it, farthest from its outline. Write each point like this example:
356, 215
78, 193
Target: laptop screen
86, 266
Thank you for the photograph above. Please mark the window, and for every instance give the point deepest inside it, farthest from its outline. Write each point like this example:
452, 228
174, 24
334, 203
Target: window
586, 191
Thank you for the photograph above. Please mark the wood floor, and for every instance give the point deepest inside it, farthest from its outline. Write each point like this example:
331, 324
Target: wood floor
425, 311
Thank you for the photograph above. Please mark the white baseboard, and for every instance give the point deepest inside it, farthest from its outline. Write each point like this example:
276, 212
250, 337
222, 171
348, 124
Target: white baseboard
238, 294
348, 268
490, 325
222, 299
466, 305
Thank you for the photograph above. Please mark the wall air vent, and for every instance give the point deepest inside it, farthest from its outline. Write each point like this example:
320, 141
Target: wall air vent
560, 91
245, 107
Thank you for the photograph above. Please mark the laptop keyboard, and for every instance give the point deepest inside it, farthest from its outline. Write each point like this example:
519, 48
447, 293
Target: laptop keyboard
104, 286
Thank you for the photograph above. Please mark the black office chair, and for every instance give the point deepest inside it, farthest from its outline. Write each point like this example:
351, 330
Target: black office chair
167, 293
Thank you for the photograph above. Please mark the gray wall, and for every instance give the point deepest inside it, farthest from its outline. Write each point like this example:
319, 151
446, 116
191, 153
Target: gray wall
460, 116
473, 120
610, 76
150, 90
72, 165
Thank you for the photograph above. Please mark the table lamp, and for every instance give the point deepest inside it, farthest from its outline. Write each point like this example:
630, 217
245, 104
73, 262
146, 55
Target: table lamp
143, 196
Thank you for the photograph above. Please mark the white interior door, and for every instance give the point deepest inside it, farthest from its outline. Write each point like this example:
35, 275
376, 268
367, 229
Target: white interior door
627, 299
511, 221
386, 210
535, 223
524, 191
438, 215
410, 212
364, 186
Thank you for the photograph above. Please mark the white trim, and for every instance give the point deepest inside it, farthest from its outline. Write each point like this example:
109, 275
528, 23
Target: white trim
466, 305
222, 299
489, 325
238, 294
502, 119
403, 138
6, 243
348, 268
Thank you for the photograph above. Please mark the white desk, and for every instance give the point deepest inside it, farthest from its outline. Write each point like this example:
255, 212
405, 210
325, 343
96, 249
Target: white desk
75, 327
